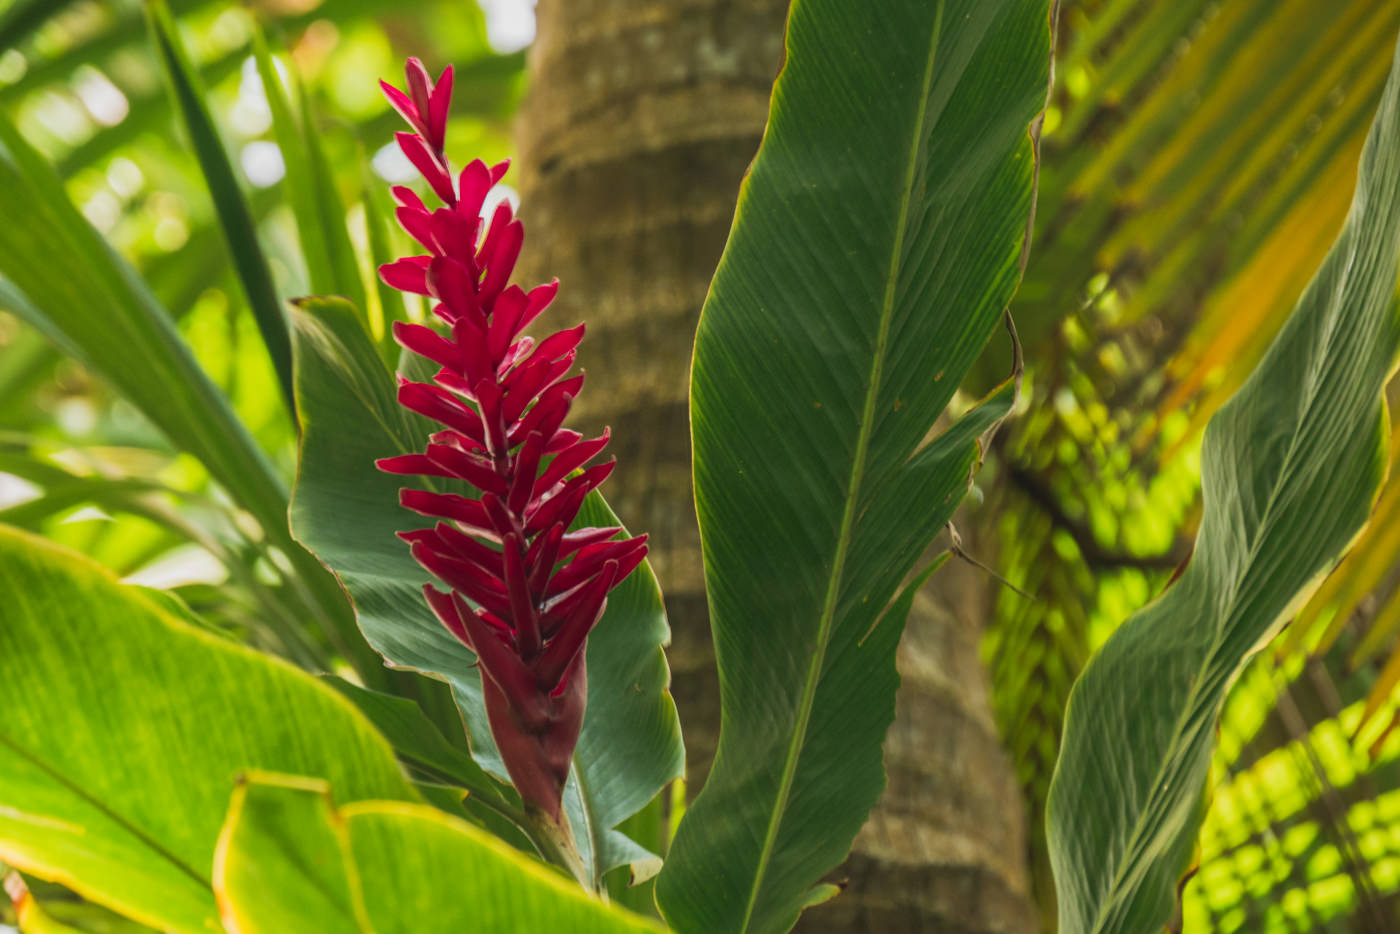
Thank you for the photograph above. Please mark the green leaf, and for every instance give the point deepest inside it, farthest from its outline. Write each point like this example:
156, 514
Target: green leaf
298, 185
290, 861
61, 276
57, 273
347, 512
30, 915
125, 729
309, 185
417, 741
330, 208
877, 241
235, 219
390, 302
281, 861
1291, 467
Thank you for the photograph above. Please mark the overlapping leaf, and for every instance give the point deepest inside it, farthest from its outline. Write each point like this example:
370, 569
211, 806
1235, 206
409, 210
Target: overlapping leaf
125, 729
290, 861
1291, 468
876, 243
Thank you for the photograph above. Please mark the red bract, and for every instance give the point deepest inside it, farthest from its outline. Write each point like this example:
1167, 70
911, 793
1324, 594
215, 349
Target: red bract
525, 591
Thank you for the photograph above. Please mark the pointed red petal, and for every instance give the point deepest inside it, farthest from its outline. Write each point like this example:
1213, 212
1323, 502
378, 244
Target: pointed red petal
420, 86
474, 182
417, 151
441, 406
527, 465
406, 276
566, 461
445, 609
426, 342
542, 556
474, 470
439, 103
539, 298
574, 629
522, 609
444, 506
404, 105
499, 252
412, 465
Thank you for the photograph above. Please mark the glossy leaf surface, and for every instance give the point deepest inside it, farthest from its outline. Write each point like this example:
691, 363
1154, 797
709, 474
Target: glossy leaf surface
1291, 469
877, 240
125, 729
347, 512
290, 861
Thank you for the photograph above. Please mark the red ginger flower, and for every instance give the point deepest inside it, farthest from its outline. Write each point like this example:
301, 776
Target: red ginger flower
525, 591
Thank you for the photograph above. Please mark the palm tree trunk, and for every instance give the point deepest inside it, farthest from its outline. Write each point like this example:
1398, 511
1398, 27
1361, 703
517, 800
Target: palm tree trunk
641, 120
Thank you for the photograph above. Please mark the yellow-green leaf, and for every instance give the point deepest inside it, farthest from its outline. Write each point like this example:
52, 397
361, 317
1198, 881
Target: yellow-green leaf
125, 730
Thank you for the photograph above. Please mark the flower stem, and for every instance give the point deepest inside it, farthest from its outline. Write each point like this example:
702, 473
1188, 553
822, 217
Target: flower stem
557, 845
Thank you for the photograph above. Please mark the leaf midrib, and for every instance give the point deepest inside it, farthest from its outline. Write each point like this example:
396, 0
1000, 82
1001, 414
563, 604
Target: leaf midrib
1309, 396
827, 620
85, 796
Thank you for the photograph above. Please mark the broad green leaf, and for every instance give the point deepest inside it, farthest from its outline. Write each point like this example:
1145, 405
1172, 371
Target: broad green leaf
281, 861
235, 219
1291, 468
347, 512
125, 729
878, 238
290, 861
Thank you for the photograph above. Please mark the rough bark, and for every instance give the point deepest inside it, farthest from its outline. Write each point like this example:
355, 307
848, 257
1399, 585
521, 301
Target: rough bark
641, 120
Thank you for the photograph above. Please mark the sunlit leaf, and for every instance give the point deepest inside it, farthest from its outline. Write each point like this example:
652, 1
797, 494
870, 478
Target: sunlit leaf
289, 860
125, 729
1291, 469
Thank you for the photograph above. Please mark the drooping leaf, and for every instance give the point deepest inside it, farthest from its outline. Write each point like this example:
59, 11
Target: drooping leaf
878, 239
1290, 469
235, 219
125, 729
347, 512
290, 861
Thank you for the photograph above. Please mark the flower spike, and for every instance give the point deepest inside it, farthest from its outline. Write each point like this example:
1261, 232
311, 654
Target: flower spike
524, 590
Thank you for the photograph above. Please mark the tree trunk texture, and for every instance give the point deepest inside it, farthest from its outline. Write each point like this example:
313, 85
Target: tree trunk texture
641, 119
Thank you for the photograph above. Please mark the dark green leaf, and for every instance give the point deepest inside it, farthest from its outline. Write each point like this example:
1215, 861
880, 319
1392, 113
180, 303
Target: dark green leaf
878, 239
